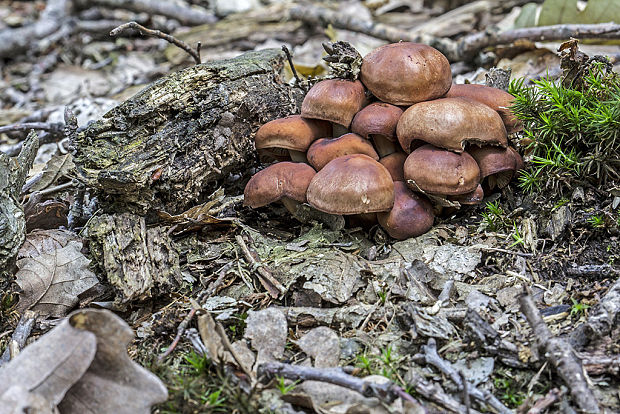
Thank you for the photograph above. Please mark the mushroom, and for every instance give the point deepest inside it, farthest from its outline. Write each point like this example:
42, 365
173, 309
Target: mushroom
518, 159
473, 198
290, 136
497, 166
406, 73
324, 150
284, 181
450, 123
353, 184
394, 164
499, 100
334, 100
378, 122
440, 172
411, 216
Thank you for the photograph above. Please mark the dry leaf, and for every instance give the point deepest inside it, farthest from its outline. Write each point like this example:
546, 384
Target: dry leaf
268, 331
52, 282
45, 241
323, 345
57, 167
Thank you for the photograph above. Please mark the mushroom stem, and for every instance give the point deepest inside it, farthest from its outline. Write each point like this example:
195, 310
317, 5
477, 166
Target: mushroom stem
383, 145
338, 130
298, 156
290, 204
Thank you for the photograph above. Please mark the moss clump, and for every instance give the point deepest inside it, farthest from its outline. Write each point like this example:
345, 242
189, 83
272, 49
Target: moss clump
573, 126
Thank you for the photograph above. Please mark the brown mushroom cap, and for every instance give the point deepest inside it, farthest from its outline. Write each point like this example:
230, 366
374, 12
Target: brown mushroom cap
405, 73
411, 216
352, 184
473, 198
437, 171
497, 165
518, 159
394, 164
290, 133
450, 123
324, 150
378, 118
499, 100
334, 100
283, 179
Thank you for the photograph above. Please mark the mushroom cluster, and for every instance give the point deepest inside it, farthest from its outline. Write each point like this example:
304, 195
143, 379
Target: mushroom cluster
382, 147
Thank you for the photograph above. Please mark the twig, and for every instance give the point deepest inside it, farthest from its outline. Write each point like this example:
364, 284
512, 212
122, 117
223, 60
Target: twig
466, 399
180, 329
55, 128
55, 189
601, 364
290, 62
561, 356
500, 250
273, 286
431, 357
387, 392
159, 34
433, 392
462, 49
20, 335
545, 402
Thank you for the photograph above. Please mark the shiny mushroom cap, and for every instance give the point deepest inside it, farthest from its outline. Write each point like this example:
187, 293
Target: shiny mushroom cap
378, 118
411, 216
405, 73
334, 100
450, 123
324, 150
294, 133
353, 184
497, 165
437, 171
499, 100
280, 180
394, 164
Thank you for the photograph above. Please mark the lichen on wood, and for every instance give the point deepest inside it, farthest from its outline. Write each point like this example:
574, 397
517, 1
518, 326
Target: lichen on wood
163, 146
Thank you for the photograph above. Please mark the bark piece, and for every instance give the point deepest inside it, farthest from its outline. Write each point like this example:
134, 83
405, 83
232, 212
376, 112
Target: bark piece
137, 261
160, 148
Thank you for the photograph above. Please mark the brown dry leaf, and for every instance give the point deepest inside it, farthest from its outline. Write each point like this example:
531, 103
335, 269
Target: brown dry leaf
51, 365
268, 331
48, 214
113, 383
57, 167
45, 241
52, 282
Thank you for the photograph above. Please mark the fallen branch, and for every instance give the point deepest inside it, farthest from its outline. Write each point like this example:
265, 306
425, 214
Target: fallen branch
433, 392
601, 364
554, 395
387, 392
467, 46
431, 357
561, 356
273, 286
20, 335
122, 29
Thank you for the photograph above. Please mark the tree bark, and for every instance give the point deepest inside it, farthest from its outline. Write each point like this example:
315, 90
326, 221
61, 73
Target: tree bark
162, 147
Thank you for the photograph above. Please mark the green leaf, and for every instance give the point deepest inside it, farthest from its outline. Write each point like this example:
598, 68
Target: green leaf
527, 17
565, 12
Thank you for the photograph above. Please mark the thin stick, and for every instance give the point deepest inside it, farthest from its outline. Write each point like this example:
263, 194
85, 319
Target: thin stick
387, 391
497, 249
290, 62
157, 33
273, 286
57, 127
20, 335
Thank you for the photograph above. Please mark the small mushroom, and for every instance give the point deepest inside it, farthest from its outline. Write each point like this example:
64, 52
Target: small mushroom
353, 184
284, 181
378, 122
394, 164
405, 73
411, 216
518, 159
334, 100
497, 166
473, 198
440, 172
290, 136
450, 123
499, 100
324, 150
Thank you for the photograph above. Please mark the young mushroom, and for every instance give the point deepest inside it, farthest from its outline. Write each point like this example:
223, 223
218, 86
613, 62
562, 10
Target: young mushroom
324, 150
473, 198
378, 122
450, 123
405, 73
411, 216
334, 100
353, 184
394, 164
284, 181
440, 172
499, 100
289, 137
497, 166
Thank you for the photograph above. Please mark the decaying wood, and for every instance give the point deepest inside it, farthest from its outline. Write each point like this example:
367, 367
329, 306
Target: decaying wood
561, 356
163, 146
136, 260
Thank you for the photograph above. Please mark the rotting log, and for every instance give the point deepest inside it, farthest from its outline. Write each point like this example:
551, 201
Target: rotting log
161, 148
